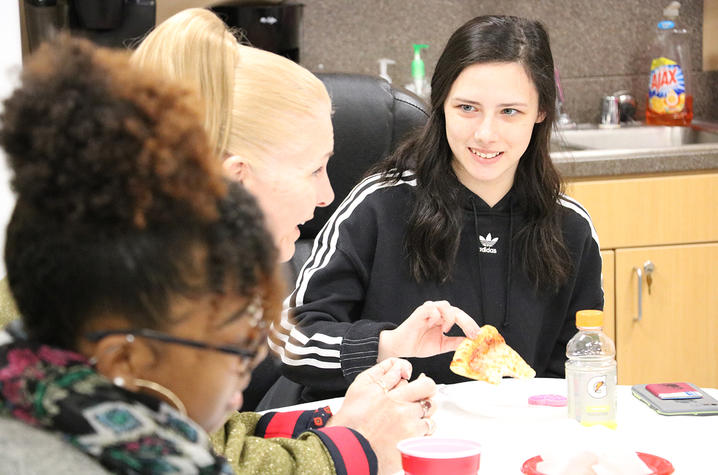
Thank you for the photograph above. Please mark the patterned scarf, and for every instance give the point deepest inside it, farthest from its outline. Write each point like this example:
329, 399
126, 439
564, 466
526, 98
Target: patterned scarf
59, 391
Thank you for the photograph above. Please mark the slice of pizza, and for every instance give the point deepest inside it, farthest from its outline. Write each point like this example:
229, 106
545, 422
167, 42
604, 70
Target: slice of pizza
488, 358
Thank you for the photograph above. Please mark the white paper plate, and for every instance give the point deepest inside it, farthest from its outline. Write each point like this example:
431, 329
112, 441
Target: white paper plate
495, 401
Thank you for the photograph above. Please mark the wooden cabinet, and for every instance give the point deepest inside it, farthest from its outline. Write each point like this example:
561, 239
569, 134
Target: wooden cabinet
671, 221
676, 338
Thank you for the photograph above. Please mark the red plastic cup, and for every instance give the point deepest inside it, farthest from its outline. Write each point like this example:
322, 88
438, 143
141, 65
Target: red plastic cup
439, 456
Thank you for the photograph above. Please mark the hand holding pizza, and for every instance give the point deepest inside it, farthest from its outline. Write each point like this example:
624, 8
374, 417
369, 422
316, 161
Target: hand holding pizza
423, 333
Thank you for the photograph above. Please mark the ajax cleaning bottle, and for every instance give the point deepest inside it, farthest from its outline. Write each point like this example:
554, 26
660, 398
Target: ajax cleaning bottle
670, 101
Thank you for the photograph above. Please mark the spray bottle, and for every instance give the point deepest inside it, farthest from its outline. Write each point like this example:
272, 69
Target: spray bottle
670, 99
419, 85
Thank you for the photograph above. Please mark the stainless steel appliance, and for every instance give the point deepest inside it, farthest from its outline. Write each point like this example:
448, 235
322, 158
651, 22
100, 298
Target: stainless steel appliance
272, 26
114, 23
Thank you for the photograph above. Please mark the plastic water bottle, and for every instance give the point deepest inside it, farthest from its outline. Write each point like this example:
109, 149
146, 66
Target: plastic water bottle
591, 372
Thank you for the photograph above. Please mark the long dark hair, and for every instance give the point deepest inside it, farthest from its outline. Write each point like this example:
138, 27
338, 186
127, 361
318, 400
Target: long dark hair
432, 238
120, 206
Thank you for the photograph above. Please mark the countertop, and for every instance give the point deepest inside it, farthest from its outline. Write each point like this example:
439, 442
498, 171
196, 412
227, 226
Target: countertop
607, 163
616, 162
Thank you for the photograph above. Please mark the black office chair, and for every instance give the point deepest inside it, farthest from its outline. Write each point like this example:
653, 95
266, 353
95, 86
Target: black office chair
370, 118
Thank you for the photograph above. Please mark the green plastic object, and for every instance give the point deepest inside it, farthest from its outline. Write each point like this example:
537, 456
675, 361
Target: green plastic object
418, 71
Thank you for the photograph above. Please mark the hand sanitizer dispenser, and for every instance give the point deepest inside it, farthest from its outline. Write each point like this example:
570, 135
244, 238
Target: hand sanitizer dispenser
419, 85
383, 63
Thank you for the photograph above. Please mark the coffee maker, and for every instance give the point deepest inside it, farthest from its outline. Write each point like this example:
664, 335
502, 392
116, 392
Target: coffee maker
270, 25
113, 23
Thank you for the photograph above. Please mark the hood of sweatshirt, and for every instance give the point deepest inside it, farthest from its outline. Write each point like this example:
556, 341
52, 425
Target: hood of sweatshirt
493, 228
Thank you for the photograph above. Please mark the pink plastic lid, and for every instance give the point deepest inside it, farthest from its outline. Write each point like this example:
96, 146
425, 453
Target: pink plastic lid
554, 400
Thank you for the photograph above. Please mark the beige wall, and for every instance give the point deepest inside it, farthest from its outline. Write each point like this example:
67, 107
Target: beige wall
599, 51
710, 35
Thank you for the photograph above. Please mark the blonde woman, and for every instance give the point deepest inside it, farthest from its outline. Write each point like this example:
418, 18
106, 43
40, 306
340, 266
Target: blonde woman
270, 122
270, 119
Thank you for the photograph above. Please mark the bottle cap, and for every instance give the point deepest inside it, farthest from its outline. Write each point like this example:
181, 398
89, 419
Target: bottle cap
671, 11
589, 318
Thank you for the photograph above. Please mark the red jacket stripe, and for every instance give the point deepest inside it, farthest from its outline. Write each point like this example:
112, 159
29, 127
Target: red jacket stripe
350, 451
279, 424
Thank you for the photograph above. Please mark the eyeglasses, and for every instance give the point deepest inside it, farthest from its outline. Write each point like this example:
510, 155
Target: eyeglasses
254, 309
166, 338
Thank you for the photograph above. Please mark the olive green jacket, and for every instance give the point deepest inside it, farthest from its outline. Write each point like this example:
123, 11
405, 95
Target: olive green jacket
316, 450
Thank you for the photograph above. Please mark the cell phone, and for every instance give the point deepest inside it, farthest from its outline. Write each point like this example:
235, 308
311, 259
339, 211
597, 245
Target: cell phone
673, 391
705, 405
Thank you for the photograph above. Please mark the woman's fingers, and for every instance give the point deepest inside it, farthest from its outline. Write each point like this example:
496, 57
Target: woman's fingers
466, 323
400, 367
429, 313
388, 373
421, 388
453, 315
428, 426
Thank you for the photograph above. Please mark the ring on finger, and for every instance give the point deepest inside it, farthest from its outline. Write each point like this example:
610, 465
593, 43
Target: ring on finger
381, 384
430, 425
425, 406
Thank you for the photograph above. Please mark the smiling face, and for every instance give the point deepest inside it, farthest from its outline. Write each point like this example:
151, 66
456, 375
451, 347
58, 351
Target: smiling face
292, 180
490, 114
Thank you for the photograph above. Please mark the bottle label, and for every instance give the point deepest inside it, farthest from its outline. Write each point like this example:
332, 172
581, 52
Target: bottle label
596, 387
667, 88
592, 395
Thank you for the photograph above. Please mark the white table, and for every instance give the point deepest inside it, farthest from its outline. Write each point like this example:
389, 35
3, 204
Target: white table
511, 431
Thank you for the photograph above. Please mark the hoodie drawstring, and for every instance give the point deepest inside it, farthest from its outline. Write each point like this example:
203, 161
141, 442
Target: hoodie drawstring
481, 280
510, 265
506, 321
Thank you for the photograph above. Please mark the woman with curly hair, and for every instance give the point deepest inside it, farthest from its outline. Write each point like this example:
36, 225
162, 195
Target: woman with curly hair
146, 283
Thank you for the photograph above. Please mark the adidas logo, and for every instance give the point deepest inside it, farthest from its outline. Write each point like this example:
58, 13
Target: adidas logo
487, 244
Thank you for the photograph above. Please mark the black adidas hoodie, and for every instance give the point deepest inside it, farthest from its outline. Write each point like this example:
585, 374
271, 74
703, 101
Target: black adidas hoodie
356, 283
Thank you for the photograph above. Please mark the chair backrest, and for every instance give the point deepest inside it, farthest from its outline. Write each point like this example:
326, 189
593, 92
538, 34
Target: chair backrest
370, 119
27, 450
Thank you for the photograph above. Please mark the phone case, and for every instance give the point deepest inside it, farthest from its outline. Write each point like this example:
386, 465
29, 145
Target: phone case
673, 391
705, 406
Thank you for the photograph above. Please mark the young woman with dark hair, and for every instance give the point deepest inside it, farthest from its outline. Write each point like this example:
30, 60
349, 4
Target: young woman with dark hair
469, 210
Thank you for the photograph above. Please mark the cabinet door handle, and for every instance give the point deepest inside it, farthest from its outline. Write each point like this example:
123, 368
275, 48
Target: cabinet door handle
648, 268
639, 273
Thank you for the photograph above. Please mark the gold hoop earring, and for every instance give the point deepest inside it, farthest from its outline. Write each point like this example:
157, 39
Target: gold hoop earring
159, 389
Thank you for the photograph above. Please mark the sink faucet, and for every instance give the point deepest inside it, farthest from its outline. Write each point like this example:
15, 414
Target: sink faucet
626, 105
563, 121
610, 113
618, 108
